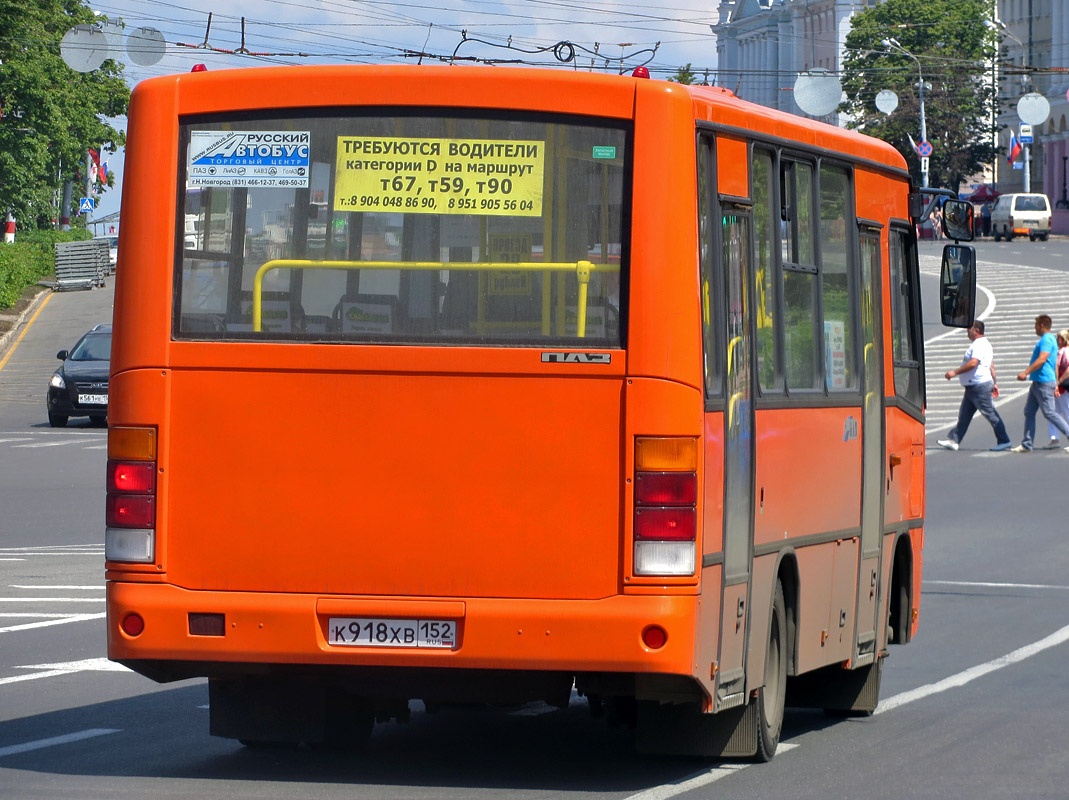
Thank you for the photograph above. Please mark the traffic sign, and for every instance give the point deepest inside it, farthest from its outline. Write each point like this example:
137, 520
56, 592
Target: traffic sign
924, 149
924, 163
1026, 134
85, 205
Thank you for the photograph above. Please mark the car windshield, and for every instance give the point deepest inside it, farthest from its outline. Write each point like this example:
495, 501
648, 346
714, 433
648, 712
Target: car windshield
95, 347
1030, 204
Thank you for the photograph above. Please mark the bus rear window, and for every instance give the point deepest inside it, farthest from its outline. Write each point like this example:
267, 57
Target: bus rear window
394, 228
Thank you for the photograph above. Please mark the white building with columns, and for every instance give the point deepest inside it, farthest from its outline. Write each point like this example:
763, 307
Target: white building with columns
762, 46
1035, 46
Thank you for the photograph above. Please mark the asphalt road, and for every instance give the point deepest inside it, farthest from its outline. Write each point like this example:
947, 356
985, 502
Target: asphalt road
975, 707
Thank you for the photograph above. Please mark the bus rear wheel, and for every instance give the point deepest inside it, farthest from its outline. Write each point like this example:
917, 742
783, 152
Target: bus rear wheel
771, 696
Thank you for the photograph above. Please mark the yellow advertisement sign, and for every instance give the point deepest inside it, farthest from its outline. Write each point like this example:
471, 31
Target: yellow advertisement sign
439, 176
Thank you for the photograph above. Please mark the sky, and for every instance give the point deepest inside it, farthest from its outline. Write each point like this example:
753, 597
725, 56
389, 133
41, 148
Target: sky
607, 35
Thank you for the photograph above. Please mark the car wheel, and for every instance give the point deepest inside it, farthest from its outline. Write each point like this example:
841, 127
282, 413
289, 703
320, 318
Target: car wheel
57, 420
1008, 234
997, 236
1043, 237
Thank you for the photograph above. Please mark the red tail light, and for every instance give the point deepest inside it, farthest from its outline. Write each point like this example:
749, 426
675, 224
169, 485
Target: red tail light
132, 476
666, 496
666, 524
130, 511
666, 488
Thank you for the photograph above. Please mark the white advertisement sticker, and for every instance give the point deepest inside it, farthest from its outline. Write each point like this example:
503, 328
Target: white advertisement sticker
249, 158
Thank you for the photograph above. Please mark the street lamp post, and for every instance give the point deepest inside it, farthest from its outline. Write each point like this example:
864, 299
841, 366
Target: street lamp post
894, 45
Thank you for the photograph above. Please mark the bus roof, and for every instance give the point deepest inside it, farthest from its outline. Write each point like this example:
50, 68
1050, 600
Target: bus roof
529, 89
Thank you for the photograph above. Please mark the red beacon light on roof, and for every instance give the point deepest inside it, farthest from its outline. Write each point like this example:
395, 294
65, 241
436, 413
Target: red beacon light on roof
640, 72
199, 68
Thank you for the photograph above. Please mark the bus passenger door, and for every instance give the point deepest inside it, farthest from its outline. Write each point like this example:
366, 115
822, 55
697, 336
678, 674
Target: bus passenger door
738, 458
867, 642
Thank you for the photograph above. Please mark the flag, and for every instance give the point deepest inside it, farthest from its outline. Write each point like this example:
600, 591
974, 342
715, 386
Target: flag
94, 165
913, 144
104, 172
1015, 149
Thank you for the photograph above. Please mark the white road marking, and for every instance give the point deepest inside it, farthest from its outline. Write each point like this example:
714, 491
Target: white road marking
698, 779
49, 623
12, 559
22, 439
46, 444
85, 665
51, 599
62, 548
40, 744
988, 584
954, 681
66, 668
31, 614
42, 586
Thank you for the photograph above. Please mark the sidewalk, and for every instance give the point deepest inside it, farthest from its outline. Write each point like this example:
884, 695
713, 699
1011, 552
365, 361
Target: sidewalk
12, 320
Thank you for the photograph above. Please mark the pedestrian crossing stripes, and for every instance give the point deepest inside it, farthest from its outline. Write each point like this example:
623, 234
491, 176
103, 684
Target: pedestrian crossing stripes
1015, 296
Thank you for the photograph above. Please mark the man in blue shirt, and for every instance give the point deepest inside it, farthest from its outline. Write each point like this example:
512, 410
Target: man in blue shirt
1041, 392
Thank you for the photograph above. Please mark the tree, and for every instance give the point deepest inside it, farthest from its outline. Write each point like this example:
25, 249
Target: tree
684, 75
953, 48
49, 114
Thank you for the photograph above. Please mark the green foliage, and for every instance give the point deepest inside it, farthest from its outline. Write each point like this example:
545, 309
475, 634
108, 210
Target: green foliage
684, 75
953, 48
50, 114
31, 258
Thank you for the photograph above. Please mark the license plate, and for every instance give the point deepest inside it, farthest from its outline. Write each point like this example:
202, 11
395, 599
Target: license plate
93, 399
366, 632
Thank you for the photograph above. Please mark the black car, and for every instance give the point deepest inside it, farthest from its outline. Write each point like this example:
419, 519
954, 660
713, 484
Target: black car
79, 388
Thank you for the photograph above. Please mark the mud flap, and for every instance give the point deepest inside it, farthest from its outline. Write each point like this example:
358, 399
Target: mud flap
683, 730
833, 688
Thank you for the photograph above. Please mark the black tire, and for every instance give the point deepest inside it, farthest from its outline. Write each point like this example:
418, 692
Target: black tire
57, 420
1043, 237
771, 696
1008, 234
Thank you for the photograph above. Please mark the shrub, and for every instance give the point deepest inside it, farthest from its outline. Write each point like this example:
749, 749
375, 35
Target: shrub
31, 258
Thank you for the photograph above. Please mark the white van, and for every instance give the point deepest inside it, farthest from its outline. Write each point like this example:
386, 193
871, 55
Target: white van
1021, 215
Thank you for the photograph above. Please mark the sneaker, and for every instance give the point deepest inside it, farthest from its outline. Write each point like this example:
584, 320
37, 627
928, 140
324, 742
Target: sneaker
1020, 449
1004, 446
949, 444
1053, 444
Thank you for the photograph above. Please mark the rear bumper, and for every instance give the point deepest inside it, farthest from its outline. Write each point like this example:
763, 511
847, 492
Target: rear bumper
496, 634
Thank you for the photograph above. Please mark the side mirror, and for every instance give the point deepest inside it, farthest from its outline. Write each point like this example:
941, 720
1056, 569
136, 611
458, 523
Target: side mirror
958, 221
957, 286
62, 355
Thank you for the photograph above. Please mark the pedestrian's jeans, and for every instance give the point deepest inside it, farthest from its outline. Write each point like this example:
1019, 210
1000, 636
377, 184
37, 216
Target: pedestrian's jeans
1041, 398
978, 398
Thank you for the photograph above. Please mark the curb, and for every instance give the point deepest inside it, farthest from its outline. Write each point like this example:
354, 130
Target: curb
7, 338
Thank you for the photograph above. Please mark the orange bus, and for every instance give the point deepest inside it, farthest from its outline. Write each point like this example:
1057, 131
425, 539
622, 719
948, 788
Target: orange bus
462, 384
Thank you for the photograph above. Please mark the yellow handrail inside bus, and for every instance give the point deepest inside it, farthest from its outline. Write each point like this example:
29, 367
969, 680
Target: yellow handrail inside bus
583, 270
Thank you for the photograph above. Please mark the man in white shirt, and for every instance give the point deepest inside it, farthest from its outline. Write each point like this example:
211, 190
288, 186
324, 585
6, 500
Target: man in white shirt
977, 375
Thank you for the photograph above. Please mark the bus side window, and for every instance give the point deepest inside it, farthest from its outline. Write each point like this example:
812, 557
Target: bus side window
838, 279
904, 319
710, 295
765, 239
801, 337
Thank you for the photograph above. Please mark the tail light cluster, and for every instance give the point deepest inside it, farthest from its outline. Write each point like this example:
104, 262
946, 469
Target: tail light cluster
130, 510
666, 515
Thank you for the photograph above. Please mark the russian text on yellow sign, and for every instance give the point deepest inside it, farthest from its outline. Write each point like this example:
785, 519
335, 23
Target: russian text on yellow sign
439, 176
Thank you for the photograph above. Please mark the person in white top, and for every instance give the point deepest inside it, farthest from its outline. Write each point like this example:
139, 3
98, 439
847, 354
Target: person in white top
977, 375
